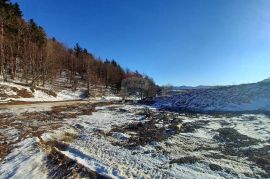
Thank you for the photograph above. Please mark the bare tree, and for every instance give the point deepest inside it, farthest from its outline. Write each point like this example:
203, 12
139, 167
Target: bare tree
139, 86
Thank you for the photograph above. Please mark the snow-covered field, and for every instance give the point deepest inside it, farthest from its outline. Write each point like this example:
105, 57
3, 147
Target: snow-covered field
246, 97
132, 141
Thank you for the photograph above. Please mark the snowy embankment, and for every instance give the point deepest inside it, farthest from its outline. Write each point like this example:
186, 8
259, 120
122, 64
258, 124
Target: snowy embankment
15, 92
246, 97
10, 91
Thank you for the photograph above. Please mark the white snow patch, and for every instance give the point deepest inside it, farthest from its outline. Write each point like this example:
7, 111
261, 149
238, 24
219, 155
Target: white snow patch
25, 161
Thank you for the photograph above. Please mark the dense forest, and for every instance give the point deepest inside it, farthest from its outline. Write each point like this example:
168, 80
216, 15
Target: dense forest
28, 55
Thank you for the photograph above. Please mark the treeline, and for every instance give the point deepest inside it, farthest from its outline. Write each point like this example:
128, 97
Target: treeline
27, 54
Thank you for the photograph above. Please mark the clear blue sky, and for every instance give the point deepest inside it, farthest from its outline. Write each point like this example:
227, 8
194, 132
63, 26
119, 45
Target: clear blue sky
181, 42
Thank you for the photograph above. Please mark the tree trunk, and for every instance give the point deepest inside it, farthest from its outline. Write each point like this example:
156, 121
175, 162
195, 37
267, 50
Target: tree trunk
2, 69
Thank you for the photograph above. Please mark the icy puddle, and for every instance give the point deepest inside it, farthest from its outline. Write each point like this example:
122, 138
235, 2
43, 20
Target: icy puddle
132, 141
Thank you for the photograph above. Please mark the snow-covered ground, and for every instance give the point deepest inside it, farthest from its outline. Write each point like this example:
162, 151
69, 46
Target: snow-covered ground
10, 91
15, 92
133, 141
246, 97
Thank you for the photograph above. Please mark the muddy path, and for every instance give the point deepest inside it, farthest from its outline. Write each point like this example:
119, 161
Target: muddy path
23, 104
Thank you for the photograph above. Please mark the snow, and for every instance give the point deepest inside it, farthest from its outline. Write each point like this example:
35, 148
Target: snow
8, 93
19, 109
10, 84
12, 134
94, 147
106, 158
91, 163
25, 161
61, 96
247, 97
103, 119
38, 95
112, 98
255, 126
69, 95
120, 136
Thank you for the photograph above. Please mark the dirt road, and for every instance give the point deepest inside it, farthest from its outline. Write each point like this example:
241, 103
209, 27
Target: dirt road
23, 104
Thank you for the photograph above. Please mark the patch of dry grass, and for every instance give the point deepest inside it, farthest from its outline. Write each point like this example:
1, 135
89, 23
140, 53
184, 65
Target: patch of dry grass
34, 124
157, 127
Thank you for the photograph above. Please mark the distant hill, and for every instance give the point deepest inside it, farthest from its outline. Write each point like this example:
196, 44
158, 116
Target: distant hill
245, 97
191, 87
266, 80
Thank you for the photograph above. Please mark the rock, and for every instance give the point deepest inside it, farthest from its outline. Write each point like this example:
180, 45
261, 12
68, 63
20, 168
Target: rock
215, 167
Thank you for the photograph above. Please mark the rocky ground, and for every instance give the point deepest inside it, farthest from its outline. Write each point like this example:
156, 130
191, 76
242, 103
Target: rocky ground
114, 140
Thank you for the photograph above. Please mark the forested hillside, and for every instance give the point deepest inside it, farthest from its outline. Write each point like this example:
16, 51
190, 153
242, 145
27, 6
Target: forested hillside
28, 55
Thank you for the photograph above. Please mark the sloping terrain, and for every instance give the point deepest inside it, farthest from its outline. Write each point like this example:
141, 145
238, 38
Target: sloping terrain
266, 80
246, 97
11, 92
